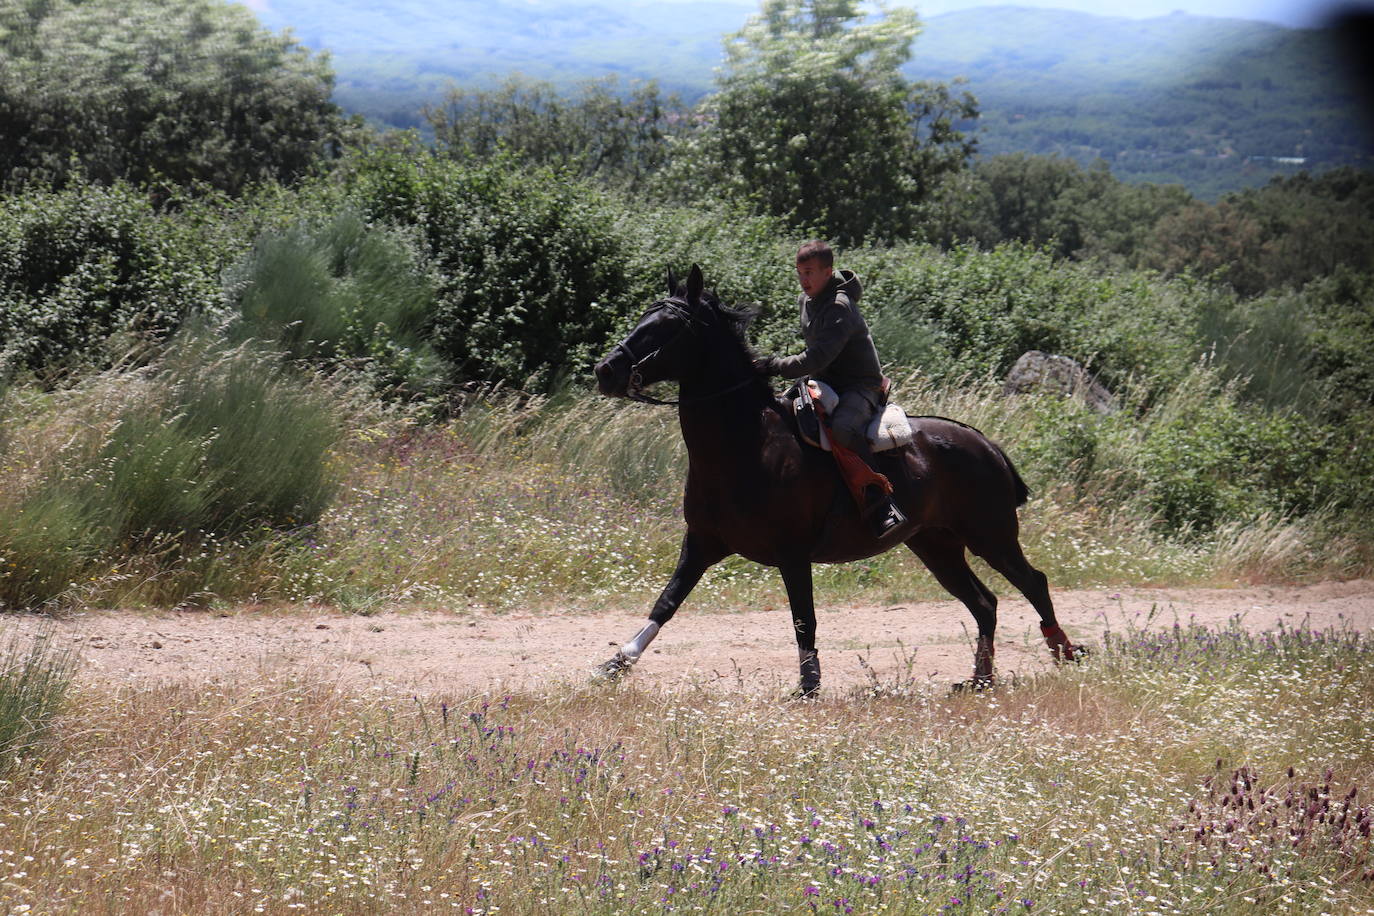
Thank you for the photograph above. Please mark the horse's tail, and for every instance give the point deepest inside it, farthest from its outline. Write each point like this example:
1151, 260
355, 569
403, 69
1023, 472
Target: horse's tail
1022, 491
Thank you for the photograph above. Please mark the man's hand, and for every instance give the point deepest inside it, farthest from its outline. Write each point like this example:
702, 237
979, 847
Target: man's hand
764, 365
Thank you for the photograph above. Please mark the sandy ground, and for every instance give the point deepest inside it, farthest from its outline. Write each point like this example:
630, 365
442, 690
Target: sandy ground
429, 652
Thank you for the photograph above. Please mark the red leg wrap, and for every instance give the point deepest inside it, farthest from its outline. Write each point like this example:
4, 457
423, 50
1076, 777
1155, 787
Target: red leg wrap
1060, 647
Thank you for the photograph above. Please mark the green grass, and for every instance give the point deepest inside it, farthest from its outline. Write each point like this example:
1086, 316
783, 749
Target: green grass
211, 446
1121, 785
34, 682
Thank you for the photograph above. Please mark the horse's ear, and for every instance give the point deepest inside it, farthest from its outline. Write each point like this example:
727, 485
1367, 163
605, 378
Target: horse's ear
672, 282
695, 284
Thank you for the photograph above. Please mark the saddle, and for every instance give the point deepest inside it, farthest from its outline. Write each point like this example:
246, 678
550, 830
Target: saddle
888, 430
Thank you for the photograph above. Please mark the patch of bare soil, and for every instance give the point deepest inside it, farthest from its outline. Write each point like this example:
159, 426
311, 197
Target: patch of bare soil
429, 652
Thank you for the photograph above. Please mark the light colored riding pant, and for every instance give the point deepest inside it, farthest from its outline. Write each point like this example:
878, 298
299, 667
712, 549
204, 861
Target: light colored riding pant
849, 422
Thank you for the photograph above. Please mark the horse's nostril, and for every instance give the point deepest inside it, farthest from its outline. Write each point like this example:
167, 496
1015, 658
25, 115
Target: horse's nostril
605, 377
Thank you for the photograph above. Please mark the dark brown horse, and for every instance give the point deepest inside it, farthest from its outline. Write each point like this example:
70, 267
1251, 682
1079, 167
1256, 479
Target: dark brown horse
755, 489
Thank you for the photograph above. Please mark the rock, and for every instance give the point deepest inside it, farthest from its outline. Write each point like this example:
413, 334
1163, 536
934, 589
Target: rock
1036, 370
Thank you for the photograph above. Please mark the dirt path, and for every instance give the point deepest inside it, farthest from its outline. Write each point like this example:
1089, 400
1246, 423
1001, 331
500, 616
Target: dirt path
429, 652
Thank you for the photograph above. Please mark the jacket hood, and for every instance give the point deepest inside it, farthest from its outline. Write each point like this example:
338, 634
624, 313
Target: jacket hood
847, 282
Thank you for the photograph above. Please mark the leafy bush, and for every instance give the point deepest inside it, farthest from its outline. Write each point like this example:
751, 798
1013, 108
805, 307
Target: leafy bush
1204, 459
618, 137
1195, 457
531, 273
80, 265
166, 92
747, 259
979, 311
225, 442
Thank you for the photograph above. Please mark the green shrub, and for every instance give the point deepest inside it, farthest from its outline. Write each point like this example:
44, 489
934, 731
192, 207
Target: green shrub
229, 441
47, 546
82, 265
213, 445
1264, 344
747, 260
1200, 457
190, 93
33, 688
1341, 341
531, 274
340, 290
980, 310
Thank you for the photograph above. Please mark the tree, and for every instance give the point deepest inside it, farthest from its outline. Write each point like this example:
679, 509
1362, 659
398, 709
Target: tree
1052, 201
170, 91
1285, 234
813, 121
619, 138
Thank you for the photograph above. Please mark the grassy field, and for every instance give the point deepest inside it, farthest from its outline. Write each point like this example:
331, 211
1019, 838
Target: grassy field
1186, 771
1189, 771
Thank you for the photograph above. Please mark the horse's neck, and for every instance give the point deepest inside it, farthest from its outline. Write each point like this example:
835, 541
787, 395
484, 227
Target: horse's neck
723, 427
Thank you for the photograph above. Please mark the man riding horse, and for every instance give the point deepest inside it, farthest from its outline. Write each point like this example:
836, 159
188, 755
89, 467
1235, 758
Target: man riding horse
840, 352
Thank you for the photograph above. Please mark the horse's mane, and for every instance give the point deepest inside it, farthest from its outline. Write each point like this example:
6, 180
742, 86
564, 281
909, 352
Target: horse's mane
737, 318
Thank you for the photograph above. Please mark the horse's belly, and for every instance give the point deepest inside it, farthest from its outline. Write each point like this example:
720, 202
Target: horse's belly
763, 535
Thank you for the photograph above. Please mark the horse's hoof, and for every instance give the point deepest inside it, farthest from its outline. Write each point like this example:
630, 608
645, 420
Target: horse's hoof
975, 684
613, 670
1070, 653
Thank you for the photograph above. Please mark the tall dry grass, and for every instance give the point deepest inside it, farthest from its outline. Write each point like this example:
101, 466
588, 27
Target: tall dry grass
570, 501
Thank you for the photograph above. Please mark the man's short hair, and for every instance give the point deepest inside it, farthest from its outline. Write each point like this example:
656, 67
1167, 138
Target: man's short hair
819, 250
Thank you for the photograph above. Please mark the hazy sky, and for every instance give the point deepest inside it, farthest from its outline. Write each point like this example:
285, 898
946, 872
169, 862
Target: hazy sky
1287, 12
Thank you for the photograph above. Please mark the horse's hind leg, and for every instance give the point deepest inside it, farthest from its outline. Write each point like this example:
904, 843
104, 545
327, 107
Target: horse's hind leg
1005, 556
943, 555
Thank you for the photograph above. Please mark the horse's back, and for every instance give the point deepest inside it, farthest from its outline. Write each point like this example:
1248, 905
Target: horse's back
960, 458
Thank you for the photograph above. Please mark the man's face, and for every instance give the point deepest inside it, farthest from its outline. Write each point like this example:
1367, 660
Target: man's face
813, 275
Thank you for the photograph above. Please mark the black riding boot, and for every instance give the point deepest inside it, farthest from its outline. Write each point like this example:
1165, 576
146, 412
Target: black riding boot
882, 513
879, 509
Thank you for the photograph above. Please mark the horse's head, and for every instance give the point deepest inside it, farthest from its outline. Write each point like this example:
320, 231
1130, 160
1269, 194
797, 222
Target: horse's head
664, 346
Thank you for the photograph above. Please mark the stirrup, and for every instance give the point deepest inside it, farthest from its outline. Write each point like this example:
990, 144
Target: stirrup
886, 517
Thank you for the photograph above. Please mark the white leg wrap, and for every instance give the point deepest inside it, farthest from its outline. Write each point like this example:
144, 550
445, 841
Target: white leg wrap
633, 649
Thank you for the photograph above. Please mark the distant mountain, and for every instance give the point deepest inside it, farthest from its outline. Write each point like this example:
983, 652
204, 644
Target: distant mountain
399, 44
1212, 103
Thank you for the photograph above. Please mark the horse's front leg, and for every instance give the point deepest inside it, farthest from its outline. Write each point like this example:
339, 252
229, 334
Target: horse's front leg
698, 554
797, 578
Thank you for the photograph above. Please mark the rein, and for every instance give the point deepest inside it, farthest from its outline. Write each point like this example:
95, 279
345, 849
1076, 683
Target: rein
635, 389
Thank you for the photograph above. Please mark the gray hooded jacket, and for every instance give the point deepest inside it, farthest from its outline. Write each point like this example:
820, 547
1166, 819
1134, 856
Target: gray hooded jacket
839, 348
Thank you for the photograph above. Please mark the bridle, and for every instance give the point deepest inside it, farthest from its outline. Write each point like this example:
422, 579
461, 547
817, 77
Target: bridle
634, 389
